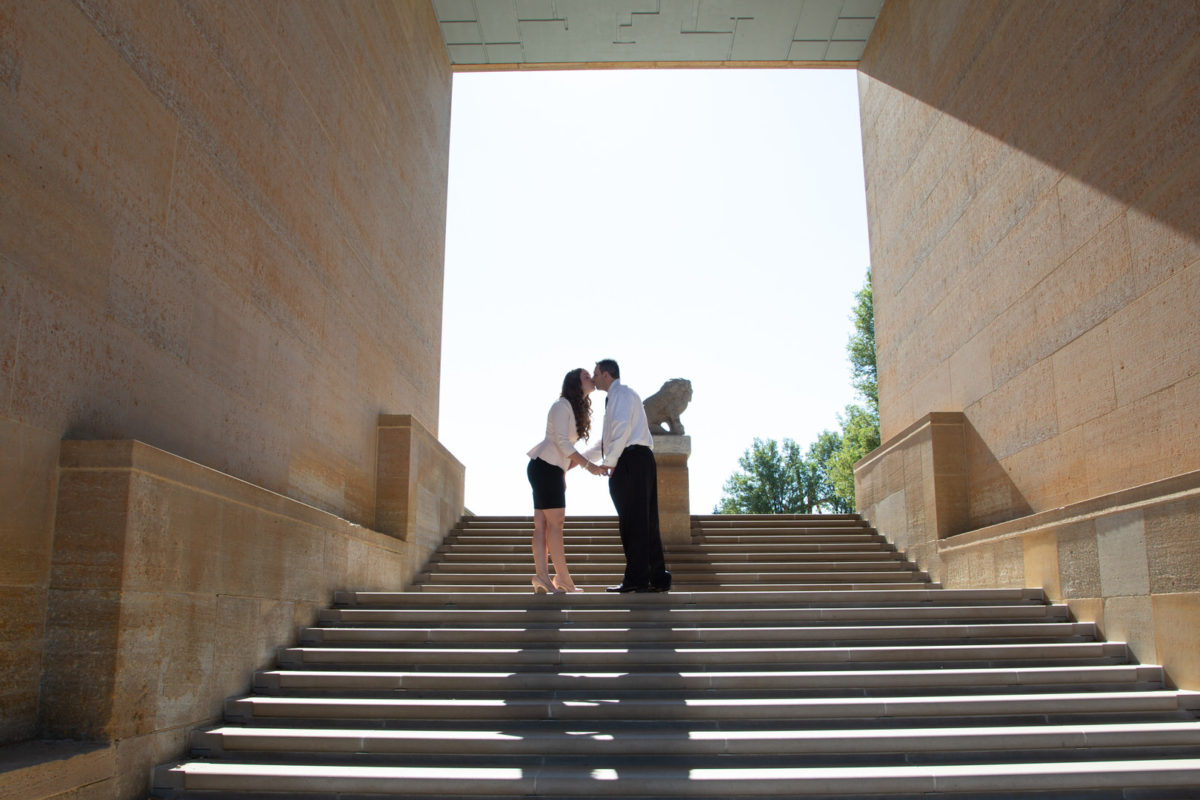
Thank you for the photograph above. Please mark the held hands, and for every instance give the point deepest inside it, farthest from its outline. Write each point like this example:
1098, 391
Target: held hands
598, 469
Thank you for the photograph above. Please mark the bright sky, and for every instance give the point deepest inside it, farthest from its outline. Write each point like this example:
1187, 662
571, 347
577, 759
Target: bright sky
700, 224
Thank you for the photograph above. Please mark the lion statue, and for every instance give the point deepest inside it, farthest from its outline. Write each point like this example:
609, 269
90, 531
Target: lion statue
666, 405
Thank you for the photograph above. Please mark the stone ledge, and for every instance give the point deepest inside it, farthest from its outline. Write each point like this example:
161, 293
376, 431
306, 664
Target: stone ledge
136, 456
408, 421
46, 769
1154, 493
927, 421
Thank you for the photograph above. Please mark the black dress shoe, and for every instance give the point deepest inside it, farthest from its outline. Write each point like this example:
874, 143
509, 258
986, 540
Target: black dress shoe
626, 588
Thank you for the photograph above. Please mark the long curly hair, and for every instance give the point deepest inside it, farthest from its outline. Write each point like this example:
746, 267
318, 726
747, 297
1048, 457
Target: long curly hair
581, 404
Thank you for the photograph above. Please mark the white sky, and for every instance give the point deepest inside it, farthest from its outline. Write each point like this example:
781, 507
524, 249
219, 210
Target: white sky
702, 224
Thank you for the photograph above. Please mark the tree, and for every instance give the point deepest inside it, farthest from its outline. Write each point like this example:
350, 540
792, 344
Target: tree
820, 457
766, 483
860, 426
860, 435
861, 348
775, 481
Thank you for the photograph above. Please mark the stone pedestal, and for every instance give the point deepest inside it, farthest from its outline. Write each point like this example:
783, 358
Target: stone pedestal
674, 511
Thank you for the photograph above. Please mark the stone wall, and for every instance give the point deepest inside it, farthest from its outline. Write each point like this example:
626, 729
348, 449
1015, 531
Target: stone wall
221, 233
1031, 173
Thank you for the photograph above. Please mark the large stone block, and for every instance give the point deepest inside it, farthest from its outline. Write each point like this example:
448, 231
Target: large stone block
1176, 620
1083, 379
1156, 340
1079, 560
1121, 549
1143, 433
1173, 546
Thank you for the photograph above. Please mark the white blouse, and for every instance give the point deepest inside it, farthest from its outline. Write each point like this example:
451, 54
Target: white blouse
561, 436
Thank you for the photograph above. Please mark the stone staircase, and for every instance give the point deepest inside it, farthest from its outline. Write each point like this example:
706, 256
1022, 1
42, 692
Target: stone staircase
796, 656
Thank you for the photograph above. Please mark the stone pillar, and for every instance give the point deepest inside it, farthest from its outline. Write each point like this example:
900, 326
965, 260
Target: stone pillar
674, 510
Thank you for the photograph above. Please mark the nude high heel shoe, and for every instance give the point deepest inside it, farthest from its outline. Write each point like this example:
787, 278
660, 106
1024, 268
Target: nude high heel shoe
543, 586
567, 585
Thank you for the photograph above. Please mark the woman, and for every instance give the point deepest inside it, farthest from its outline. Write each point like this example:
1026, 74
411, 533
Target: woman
569, 420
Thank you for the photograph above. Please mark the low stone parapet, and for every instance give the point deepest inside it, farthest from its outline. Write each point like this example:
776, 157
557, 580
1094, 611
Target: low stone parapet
1128, 561
172, 583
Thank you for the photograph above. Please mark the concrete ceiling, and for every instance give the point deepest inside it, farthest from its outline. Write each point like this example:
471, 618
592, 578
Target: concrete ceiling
544, 34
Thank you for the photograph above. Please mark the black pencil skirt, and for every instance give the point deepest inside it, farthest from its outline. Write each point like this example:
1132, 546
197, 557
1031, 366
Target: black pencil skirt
549, 484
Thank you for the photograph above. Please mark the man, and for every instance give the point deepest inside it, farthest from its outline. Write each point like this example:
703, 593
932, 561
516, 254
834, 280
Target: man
627, 457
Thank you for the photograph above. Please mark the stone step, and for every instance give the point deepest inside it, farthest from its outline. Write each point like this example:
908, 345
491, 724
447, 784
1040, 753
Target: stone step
848, 680
549, 614
456, 780
615, 635
523, 566
738, 519
540, 738
721, 551
784, 538
832, 598
701, 521
650, 657
851, 574
799, 657
714, 586
788, 538
794, 709
522, 555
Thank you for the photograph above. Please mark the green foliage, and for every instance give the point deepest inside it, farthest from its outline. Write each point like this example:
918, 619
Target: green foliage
781, 480
766, 482
860, 435
861, 347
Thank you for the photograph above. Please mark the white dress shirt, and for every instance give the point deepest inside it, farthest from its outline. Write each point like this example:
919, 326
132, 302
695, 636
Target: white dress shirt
561, 436
624, 425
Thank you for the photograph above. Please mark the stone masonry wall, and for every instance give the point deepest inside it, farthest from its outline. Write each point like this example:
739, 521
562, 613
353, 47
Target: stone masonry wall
221, 233
1031, 172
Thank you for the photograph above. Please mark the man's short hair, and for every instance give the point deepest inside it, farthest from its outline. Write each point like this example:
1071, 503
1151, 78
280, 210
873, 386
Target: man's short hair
609, 366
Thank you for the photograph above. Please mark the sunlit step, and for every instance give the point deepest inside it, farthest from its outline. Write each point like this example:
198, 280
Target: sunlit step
523, 567
707, 586
785, 538
862, 681
852, 574
522, 555
547, 739
704, 708
522, 545
840, 596
750, 520
637, 657
666, 782
532, 635
545, 613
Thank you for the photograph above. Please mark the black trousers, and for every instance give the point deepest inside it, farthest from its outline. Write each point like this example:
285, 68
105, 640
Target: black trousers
633, 486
